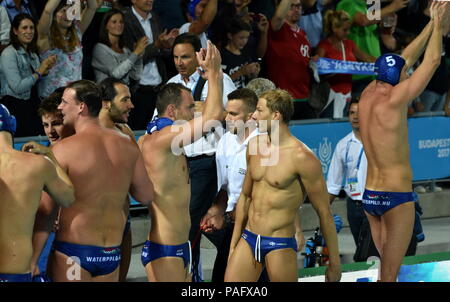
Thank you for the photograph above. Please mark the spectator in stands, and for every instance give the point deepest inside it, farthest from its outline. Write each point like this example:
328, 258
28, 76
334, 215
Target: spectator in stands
288, 55
260, 85
5, 26
170, 13
20, 71
236, 62
364, 32
15, 7
141, 22
62, 37
311, 20
111, 58
337, 46
199, 14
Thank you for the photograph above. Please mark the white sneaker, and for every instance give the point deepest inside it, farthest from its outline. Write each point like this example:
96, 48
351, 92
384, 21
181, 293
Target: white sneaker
420, 189
437, 189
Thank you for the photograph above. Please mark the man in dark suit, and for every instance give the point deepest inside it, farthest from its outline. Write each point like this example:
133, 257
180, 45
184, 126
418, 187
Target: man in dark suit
140, 22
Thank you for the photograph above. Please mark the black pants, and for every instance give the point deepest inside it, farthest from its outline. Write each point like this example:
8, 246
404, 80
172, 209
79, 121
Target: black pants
25, 111
144, 101
203, 178
355, 217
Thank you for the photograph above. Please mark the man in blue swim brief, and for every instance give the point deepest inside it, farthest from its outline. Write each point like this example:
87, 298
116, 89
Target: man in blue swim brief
388, 198
152, 251
262, 245
377, 203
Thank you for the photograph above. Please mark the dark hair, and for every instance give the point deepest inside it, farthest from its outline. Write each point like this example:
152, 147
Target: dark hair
50, 104
188, 38
32, 47
56, 38
184, 8
103, 36
169, 94
247, 96
354, 100
108, 88
89, 93
236, 25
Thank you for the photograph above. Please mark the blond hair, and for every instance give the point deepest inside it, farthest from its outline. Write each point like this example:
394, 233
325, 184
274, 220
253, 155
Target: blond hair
281, 101
333, 19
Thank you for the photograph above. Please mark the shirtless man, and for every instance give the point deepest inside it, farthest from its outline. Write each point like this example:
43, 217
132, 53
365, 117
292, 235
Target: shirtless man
271, 196
116, 107
388, 198
166, 254
104, 166
23, 177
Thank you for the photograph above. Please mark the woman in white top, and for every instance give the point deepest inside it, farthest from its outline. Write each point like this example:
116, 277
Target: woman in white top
110, 57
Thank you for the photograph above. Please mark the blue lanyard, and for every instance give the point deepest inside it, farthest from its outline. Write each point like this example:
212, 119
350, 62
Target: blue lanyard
346, 157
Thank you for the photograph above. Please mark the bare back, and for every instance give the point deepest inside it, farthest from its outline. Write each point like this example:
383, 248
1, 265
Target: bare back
100, 162
21, 185
277, 191
170, 220
384, 132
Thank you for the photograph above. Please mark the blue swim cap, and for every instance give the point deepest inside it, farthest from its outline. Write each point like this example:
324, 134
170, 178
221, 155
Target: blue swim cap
388, 68
7, 121
191, 7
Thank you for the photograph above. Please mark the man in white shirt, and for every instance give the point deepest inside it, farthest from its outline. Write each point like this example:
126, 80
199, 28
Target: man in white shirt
140, 22
348, 168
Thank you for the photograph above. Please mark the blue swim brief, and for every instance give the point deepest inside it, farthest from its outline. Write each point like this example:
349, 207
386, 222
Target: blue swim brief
377, 203
96, 260
152, 251
262, 245
15, 277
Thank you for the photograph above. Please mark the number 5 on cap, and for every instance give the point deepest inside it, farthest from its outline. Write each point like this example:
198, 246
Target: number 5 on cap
390, 61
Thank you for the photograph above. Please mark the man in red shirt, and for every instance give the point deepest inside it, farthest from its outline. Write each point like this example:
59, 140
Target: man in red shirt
288, 54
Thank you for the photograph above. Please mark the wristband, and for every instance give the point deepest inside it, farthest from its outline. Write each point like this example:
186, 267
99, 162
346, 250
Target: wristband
39, 75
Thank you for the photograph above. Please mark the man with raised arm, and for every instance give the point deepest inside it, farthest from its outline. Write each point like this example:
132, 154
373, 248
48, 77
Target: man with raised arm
166, 255
281, 171
23, 177
104, 165
388, 199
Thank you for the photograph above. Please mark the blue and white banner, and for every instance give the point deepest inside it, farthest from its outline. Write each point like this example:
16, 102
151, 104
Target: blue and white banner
326, 65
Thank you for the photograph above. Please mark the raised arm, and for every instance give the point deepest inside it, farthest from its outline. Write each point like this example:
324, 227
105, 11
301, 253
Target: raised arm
204, 21
415, 49
310, 171
361, 19
411, 88
88, 14
280, 14
44, 24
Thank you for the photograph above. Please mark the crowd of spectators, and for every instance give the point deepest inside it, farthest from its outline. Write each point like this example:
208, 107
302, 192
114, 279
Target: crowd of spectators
49, 44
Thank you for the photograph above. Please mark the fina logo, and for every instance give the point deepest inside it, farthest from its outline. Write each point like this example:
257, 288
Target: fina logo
325, 152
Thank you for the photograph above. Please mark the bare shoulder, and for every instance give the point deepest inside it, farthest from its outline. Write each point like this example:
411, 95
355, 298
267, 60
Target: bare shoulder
303, 157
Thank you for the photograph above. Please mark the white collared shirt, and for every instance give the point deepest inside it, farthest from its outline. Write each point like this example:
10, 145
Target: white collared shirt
347, 161
150, 74
208, 144
231, 165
